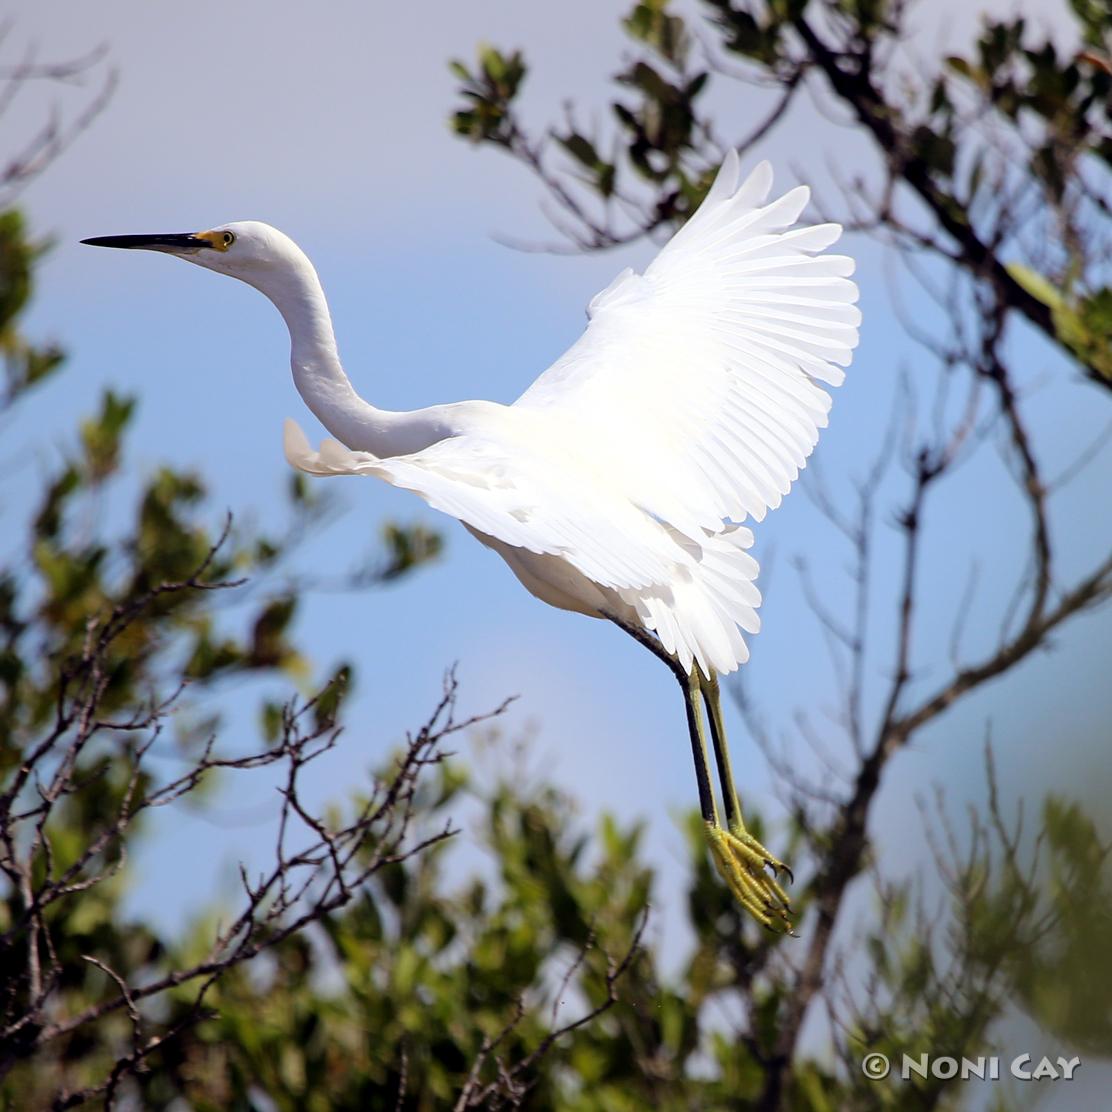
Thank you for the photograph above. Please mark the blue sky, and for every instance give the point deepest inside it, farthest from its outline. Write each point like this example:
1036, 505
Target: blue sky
336, 133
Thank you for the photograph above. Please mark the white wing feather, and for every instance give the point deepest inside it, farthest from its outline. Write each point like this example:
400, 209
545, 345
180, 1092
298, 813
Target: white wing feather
516, 495
694, 385
694, 594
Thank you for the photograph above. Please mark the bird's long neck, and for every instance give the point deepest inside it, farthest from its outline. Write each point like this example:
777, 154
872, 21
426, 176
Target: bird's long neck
317, 372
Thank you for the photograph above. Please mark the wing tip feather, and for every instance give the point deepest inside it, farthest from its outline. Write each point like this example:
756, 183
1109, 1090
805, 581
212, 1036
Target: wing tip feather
295, 445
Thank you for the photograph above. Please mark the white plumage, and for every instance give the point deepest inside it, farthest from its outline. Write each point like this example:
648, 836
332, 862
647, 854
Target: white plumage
617, 485
687, 406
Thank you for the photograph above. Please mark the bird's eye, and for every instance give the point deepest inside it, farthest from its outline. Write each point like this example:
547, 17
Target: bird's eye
229, 239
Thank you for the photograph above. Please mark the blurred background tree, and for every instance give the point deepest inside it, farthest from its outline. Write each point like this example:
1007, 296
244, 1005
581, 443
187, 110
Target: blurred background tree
365, 966
985, 174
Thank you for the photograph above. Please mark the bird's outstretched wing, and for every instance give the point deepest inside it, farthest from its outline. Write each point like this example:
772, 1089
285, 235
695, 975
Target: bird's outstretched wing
694, 385
519, 497
690, 403
695, 594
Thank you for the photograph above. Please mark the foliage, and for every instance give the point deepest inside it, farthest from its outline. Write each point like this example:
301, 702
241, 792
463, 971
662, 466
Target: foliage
986, 176
1006, 148
116, 642
435, 990
370, 964
1059, 979
25, 364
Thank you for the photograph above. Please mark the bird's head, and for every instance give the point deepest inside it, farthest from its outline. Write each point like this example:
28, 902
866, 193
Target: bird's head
244, 249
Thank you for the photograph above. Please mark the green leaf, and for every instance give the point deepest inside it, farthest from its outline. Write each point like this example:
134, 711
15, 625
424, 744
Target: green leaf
100, 436
580, 149
1036, 285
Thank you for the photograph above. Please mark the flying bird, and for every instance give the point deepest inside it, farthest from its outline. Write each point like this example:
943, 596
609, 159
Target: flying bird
618, 485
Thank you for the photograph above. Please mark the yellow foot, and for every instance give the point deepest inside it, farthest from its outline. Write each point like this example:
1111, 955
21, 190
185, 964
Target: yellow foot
751, 873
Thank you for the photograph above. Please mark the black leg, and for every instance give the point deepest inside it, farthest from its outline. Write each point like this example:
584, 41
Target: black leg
690, 688
699, 752
739, 858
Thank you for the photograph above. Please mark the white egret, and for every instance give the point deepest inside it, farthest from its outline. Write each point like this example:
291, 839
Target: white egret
617, 485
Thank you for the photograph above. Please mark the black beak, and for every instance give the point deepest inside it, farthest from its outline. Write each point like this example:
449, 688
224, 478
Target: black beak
176, 241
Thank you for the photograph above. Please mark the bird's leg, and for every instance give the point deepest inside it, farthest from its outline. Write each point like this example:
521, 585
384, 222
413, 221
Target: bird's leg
739, 865
736, 851
739, 858
707, 805
694, 716
734, 821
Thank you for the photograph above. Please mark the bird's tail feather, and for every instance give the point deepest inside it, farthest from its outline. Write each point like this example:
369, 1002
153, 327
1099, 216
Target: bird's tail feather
701, 616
